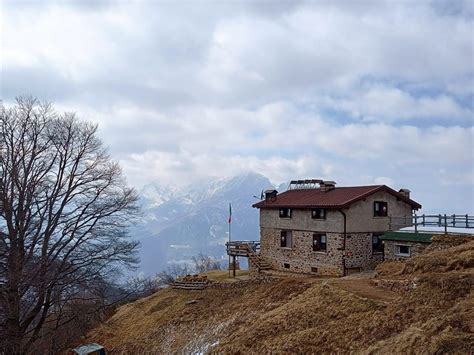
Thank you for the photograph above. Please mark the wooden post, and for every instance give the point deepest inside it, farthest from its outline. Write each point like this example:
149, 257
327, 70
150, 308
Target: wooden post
445, 225
467, 221
230, 232
416, 223
454, 220
423, 219
233, 269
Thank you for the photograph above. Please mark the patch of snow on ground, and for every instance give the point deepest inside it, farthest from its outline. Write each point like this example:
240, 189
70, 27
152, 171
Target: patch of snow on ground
204, 342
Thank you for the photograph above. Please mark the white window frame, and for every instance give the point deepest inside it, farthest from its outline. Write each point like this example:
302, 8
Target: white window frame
280, 214
320, 238
289, 239
378, 208
322, 212
397, 250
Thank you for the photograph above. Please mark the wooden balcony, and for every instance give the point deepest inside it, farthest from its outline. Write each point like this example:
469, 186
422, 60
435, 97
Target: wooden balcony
248, 249
242, 248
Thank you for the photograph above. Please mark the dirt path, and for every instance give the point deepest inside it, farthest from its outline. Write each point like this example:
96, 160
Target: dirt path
363, 288
358, 284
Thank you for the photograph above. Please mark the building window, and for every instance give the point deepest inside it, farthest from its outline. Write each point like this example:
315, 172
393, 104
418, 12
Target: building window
286, 265
286, 239
380, 209
402, 250
314, 269
318, 213
377, 246
319, 242
285, 212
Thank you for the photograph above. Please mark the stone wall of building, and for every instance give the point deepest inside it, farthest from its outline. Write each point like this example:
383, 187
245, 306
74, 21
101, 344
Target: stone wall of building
301, 257
390, 249
359, 252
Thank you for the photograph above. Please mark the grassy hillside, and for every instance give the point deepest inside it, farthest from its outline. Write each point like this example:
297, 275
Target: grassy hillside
311, 315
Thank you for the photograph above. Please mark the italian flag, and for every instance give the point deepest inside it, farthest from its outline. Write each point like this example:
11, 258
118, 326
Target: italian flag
230, 213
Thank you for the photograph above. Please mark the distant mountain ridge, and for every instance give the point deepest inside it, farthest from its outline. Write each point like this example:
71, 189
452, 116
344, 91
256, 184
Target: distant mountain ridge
180, 223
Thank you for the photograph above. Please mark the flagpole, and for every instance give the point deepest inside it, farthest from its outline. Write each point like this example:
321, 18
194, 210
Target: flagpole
230, 222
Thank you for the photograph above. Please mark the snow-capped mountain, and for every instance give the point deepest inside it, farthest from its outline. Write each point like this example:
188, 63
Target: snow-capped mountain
180, 223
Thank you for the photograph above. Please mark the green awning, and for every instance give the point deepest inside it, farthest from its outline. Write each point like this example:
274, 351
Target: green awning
407, 237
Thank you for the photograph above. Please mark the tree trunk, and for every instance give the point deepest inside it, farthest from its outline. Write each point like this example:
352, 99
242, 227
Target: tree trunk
13, 330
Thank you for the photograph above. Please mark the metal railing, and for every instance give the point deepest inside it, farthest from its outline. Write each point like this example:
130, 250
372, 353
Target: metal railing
436, 220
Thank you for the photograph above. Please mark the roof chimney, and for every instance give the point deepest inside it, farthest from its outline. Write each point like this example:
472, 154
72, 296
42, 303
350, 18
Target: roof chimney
270, 195
326, 186
405, 192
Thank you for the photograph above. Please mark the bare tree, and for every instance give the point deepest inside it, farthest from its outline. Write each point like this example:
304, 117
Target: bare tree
140, 287
203, 263
171, 273
64, 213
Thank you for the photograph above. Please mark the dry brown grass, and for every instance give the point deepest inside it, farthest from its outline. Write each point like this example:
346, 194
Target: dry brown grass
457, 258
390, 268
309, 316
223, 276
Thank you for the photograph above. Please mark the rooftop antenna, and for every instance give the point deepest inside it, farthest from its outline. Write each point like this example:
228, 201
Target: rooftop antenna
261, 196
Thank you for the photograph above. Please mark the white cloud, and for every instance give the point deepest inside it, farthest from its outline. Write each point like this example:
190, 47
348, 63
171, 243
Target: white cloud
354, 91
392, 104
183, 168
279, 141
328, 49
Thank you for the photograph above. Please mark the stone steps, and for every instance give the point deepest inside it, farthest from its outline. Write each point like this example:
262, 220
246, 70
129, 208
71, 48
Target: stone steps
190, 285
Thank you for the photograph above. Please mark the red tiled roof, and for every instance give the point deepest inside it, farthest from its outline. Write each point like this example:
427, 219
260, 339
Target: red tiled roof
339, 197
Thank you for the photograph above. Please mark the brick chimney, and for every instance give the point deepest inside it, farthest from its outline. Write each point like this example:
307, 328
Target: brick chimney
326, 186
405, 192
270, 195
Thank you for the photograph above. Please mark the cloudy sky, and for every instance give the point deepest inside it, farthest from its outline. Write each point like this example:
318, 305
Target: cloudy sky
359, 92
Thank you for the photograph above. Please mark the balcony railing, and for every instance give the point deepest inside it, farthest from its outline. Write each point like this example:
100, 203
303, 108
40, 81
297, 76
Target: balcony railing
242, 247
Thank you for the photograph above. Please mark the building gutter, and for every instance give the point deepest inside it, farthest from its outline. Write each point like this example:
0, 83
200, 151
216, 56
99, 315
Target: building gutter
344, 243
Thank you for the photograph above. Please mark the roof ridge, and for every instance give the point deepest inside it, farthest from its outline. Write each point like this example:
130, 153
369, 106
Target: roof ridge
337, 187
340, 197
358, 187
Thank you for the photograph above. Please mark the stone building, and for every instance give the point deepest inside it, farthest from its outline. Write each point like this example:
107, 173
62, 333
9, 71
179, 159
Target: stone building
316, 227
402, 245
